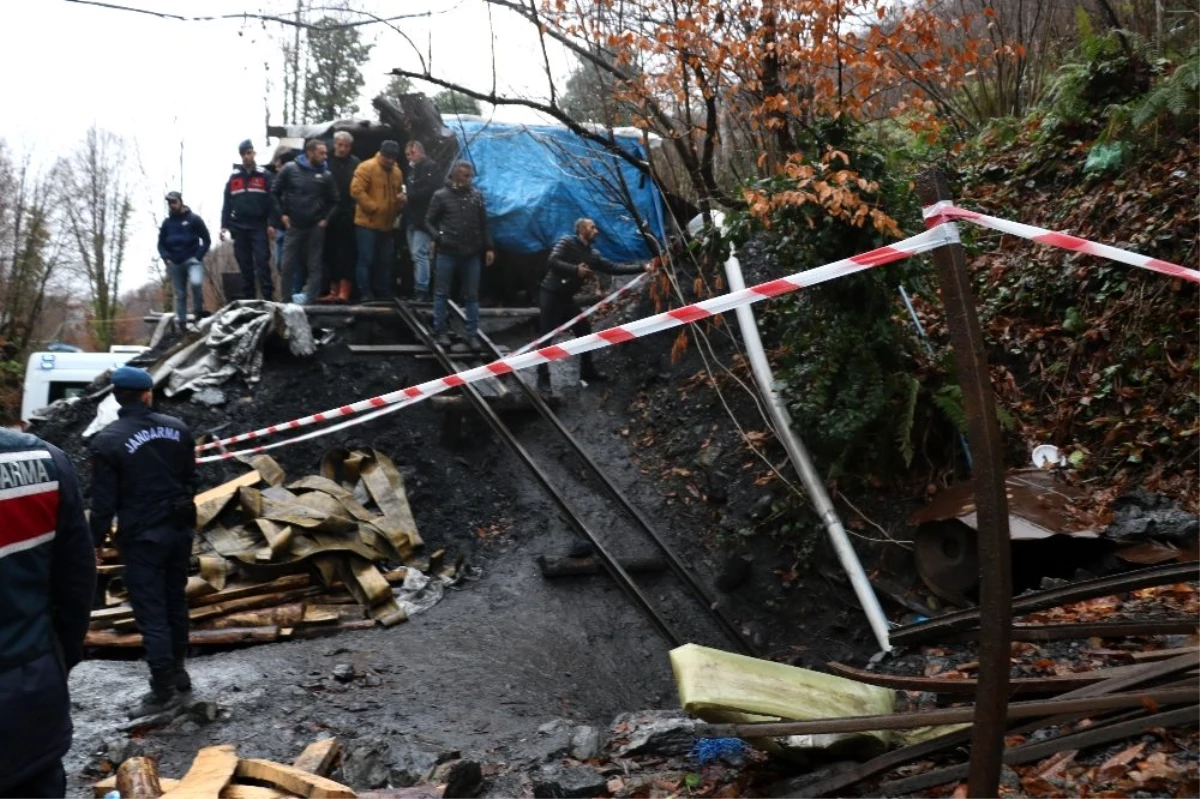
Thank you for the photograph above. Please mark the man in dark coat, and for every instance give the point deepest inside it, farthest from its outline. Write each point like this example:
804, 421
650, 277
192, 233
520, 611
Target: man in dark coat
183, 241
420, 183
341, 254
572, 261
47, 576
305, 200
144, 473
457, 222
246, 215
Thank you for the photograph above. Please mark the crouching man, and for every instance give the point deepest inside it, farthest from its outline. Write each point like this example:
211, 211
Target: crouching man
144, 473
572, 261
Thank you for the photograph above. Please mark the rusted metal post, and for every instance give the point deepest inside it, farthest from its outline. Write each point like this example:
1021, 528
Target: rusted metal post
995, 562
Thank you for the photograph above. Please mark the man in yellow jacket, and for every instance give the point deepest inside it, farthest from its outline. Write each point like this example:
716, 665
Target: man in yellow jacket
378, 191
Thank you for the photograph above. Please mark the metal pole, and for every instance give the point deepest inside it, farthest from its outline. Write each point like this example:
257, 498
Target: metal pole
799, 457
995, 560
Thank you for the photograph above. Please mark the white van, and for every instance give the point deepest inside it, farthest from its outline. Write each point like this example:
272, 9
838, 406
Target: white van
51, 376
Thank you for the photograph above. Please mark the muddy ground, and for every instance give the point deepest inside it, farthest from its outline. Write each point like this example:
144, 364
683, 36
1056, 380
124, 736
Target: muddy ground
481, 671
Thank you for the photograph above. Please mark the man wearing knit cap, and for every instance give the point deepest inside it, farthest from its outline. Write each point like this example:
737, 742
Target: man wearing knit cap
144, 473
246, 214
378, 191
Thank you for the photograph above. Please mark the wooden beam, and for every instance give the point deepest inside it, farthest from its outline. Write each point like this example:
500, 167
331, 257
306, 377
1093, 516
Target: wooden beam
240, 635
944, 685
319, 757
211, 771
292, 779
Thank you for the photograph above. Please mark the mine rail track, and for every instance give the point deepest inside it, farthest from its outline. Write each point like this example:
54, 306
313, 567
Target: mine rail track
574, 518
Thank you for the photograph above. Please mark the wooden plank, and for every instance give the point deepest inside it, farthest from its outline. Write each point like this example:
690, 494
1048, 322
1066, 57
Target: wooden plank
225, 489
943, 685
211, 771
290, 778
231, 791
241, 635
319, 757
285, 583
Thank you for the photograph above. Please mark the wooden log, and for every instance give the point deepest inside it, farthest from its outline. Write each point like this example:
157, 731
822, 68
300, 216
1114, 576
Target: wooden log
240, 635
287, 615
210, 772
110, 784
292, 779
319, 757
137, 778
552, 566
252, 603
285, 583
323, 630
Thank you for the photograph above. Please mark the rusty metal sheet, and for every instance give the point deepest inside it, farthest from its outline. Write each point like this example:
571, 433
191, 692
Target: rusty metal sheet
1038, 506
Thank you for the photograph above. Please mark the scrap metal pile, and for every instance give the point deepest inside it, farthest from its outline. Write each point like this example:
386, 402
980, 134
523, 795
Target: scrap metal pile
1084, 678
277, 559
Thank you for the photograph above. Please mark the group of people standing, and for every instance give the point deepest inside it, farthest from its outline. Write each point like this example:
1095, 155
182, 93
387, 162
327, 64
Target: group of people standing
332, 218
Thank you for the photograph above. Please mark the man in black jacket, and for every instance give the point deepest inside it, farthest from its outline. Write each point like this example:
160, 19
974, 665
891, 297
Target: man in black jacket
47, 576
144, 473
457, 222
305, 200
246, 214
420, 183
183, 241
341, 254
571, 262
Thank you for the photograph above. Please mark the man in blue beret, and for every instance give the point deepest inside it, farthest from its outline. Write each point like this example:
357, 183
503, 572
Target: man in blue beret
247, 215
144, 473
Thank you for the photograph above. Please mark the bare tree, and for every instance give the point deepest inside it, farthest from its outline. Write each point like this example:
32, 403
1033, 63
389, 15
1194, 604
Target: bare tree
98, 214
31, 249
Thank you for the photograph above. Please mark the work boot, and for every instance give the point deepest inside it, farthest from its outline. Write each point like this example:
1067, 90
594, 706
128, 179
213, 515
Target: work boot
422, 296
443, 340
163, 694
475, 343
588, 370
183, 680
543, 377
345, 289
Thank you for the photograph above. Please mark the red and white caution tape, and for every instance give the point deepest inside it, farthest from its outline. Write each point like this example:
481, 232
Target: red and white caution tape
947, 211
922, 242
584, 314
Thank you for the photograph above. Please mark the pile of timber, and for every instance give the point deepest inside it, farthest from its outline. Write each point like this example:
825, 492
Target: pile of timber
217, 771
275, 559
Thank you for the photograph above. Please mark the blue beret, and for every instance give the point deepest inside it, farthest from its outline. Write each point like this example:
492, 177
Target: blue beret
132, 377
244, 146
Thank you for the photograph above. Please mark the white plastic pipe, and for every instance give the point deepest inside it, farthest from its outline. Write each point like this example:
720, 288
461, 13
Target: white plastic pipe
799, 455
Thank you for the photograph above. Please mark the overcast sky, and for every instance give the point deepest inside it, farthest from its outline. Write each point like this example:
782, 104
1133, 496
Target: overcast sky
167, 84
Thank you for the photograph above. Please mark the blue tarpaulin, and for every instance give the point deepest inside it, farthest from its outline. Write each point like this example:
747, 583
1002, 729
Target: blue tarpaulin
538, 179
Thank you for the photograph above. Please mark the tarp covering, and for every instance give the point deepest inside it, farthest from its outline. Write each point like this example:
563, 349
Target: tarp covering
538, 179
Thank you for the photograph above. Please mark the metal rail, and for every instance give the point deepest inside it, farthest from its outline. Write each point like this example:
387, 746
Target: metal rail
1089, 589
673, 560
490, 416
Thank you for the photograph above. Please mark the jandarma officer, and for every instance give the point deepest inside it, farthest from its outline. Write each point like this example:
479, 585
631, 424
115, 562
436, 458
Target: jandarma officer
144, 473
47, 573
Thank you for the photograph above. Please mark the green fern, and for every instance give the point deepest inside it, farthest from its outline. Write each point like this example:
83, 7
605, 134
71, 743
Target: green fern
949, 400
1177, 95
908, 413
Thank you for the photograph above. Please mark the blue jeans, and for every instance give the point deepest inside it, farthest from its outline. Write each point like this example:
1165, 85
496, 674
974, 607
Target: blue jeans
467, 267
376, 251
418, 246
191, 272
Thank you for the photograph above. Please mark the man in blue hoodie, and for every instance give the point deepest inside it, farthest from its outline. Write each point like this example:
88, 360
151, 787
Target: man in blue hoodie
183, 241
246, 214
306, 198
